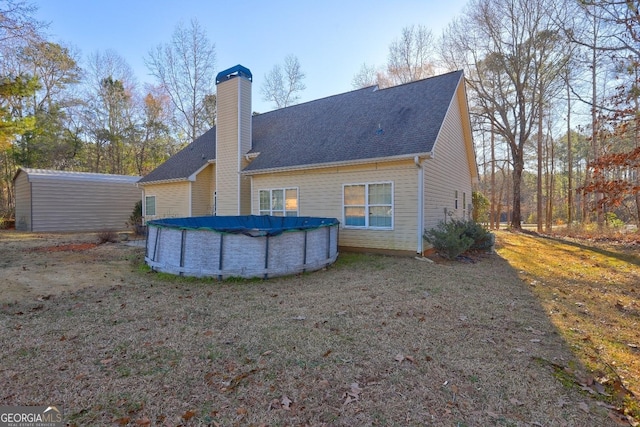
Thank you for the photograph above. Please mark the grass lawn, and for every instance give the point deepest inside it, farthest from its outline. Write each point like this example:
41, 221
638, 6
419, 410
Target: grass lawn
591, 293
371, 340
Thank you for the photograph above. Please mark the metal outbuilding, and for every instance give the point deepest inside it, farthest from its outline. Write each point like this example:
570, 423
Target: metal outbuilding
50, 200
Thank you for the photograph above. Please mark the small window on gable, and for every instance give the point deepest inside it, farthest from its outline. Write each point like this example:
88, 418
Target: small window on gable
150, 205
368, 205
279, 202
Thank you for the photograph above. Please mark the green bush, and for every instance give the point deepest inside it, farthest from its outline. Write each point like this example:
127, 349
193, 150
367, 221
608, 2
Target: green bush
136, 215
482, 238
455, 237
612, 220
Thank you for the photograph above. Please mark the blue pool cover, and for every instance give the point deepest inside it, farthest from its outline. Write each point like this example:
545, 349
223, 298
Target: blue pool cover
250, 225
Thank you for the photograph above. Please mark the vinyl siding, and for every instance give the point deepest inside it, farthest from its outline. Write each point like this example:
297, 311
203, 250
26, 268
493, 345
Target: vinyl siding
320, 194
203, 188
232, 125
172, 199
448, 170
64, 205
245, 141
23, 202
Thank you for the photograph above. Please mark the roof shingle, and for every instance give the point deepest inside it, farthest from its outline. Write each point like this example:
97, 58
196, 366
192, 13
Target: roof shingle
363, 124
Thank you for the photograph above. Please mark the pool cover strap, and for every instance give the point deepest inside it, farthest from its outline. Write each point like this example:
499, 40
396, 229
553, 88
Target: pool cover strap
250, 225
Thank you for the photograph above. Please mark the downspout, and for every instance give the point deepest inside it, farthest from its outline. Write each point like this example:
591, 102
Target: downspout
251, 192
420, 219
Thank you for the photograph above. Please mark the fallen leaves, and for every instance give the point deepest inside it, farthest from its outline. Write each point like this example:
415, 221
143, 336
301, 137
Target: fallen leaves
352, 395
188, 415
401, 358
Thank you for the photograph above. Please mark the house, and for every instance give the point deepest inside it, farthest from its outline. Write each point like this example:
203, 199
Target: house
50, 200
388, 163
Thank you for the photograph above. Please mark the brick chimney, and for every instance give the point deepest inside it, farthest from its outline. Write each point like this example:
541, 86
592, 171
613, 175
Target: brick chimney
233, 140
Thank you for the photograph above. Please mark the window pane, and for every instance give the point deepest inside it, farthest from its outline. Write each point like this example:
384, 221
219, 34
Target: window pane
354, 195
265, 204
380, 216
380, 194
354, 217
265, 212
292, 213
150, 208
277, 200
291, 203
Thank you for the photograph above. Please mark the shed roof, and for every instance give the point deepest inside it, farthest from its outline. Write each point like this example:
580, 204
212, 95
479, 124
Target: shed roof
49, 175
363, 124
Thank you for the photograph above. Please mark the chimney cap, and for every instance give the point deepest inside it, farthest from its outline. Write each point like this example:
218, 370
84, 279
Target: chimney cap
237, 71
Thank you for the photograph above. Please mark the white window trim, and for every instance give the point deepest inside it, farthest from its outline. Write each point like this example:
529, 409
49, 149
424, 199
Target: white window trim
155, 206
366, 206
284, 192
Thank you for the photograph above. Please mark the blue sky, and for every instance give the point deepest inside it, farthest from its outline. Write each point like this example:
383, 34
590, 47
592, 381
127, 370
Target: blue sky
331, 38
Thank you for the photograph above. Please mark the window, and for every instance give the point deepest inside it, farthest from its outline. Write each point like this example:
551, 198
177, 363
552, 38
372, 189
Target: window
279, 202
368, 205
456, 200
150, 205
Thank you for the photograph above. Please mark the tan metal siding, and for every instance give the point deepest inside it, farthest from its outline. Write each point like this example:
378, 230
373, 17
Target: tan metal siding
172, 199
448, 171
23, 202
66, 205
320, 194
202, 197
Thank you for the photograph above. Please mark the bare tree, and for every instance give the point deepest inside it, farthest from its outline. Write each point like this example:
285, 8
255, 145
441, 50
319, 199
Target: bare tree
367, 76
410, 56
282, 84
497, 42
17, 21
109, 110
185, 68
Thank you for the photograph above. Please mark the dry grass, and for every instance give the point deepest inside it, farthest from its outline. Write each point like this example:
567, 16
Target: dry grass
372, 340
590, 293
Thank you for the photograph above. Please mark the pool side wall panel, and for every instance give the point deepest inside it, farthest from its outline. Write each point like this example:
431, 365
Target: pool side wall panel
242, 256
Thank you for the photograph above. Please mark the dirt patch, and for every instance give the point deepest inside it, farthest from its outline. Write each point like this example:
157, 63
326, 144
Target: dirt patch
37, 265
372, 340
73, 247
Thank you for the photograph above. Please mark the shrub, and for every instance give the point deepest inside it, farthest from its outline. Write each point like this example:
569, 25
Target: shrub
136, 215
481, 206
107, 236
612, 220
482, 238
456, 237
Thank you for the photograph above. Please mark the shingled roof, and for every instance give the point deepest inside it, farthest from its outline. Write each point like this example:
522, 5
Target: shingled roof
187, 161
368, 123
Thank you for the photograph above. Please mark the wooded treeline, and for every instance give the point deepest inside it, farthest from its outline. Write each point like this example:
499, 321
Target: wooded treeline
553, 89
554, 97
553, 92
58, 111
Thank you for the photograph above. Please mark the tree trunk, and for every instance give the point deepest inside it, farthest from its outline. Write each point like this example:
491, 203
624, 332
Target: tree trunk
493, 182
518, 168
569, 160
550, 185
539, 180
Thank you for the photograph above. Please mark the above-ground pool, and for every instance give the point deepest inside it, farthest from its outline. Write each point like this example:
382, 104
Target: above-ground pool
241, 246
